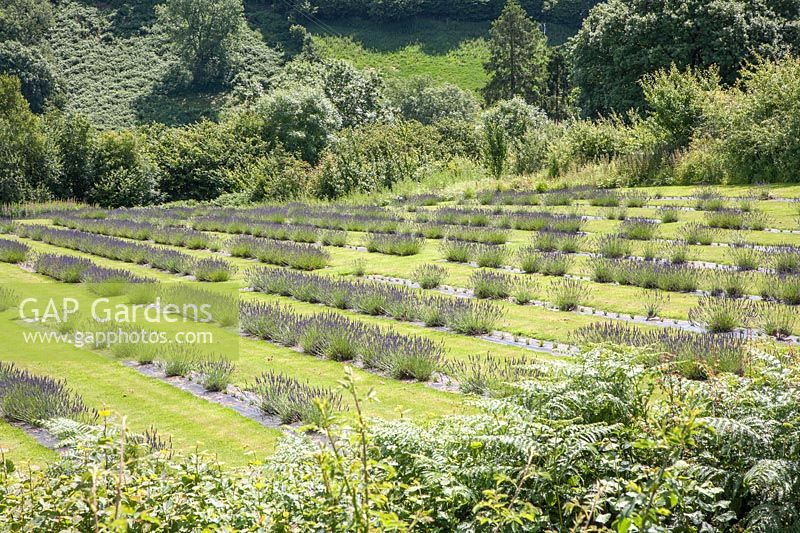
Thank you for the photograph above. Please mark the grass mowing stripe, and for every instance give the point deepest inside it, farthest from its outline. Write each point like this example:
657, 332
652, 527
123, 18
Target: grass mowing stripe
16, 445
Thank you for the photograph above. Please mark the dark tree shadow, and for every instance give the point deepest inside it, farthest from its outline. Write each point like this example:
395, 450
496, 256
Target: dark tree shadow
174, 101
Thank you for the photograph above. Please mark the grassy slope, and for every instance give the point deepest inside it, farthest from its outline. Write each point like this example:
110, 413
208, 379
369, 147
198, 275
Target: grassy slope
114, 65
447, 51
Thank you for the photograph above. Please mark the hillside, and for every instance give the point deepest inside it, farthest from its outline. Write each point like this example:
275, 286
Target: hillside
116, 70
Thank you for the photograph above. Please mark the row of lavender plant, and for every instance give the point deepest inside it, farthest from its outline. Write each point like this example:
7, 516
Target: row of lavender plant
70, 269
784, 287
460, 315
13, 251
131, 252
520, 220
239, 225
693, 354
723, 314
294, 255
401, 244
34, 399
140, 231
336, 337
529, 259
436, 230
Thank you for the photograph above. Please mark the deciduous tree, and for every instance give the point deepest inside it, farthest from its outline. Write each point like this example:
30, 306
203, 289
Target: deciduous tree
204, 33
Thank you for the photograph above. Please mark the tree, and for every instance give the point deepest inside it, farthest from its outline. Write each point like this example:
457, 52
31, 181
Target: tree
420, 98
125, 172
25, 21
678, 101
518, 57
29, 163
195, 160
39, 83
74, 137
300, 118
560, 97
204, 33
622, 40
512, 127
356, 93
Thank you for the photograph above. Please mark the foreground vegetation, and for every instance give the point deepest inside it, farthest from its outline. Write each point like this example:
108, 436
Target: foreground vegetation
703, 455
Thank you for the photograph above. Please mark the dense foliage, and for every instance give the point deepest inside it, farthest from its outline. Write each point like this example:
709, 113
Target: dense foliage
611, 443
317, 126
621, 41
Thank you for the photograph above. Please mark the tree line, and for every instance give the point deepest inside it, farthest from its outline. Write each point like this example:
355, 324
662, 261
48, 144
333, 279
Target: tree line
644, 89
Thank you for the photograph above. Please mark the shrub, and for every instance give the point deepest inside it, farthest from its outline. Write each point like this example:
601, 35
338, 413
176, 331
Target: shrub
429, 276
214, 270
197, 161
13, 251
613, 246
668, 215
61, 267
654, 302
215, 374
551, 241
485, 374
126, 174
785, 259
721, 315
568, 294
486, 284
708, 199
523, 291
470, 319
32, 399
782, 288
694, 355
402, 245
729, 283
375, 157
278, 177
617, 213
676, 252
299, 256
604, 199
639, 229
728, 219
696, 233
334, 238
457, 251
776, 320
8, 299
744, 256
178, 360
758, 135
635, 199
290, 400
489, 255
